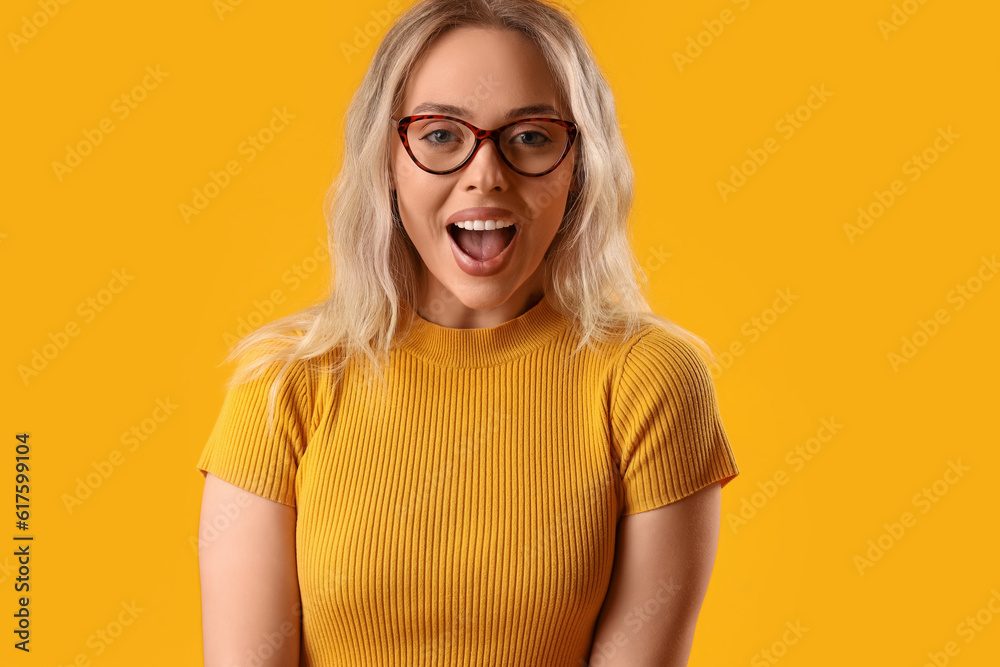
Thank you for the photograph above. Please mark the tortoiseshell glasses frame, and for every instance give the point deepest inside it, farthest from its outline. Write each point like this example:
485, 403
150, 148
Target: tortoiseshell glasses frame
481, 135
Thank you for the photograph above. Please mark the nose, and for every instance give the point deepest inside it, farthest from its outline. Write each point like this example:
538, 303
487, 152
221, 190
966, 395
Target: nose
486, 170
488, 146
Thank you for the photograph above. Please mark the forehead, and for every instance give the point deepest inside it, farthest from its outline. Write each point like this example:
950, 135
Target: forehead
486, 72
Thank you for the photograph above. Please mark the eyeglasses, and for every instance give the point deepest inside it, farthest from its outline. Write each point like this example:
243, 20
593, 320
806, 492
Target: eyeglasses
444, 144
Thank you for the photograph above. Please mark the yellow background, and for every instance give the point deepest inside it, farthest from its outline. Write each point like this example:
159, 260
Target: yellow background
714, 265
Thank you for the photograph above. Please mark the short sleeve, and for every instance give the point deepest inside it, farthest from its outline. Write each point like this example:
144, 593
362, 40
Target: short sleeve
668, 433
241, 450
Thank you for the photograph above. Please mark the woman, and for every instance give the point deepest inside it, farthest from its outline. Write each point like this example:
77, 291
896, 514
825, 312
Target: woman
542, 455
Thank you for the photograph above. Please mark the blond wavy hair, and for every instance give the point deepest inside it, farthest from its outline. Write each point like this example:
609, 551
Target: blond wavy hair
591, 274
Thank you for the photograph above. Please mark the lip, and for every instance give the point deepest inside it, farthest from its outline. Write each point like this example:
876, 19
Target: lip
489, 267
482, 213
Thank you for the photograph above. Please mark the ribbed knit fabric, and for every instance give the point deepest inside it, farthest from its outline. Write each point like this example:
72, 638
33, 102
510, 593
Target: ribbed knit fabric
467, 516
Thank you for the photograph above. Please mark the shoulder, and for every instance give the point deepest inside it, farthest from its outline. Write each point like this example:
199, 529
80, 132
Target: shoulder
272, 367
272, 354
659, 355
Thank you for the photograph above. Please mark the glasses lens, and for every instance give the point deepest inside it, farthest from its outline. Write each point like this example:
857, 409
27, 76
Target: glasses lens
531, 146
534, 146
440, 145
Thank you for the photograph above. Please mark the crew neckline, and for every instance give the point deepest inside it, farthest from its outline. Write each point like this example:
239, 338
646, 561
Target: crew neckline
485, 346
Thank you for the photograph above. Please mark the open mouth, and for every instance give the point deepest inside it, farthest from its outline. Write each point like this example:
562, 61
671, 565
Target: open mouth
482, 244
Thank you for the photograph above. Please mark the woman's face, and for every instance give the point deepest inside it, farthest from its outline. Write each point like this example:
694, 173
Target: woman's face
485, 75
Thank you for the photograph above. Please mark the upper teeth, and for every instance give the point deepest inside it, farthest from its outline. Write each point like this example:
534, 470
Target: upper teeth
483, 224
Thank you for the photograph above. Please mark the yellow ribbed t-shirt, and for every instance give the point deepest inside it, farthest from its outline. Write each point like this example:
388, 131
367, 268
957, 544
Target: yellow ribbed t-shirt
467, 514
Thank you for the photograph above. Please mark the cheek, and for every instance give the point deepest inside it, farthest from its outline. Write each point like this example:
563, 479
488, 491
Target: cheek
408, 177
412, 181
547, 202
400, 167
420, 201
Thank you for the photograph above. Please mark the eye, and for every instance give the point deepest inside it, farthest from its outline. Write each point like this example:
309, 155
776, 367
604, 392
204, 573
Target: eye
441, 136
531, 138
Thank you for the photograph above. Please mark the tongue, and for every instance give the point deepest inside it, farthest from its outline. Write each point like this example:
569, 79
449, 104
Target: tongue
483, 245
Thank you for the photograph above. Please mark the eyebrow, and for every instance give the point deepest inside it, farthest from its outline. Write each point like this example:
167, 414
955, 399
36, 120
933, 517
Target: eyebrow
452, 110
